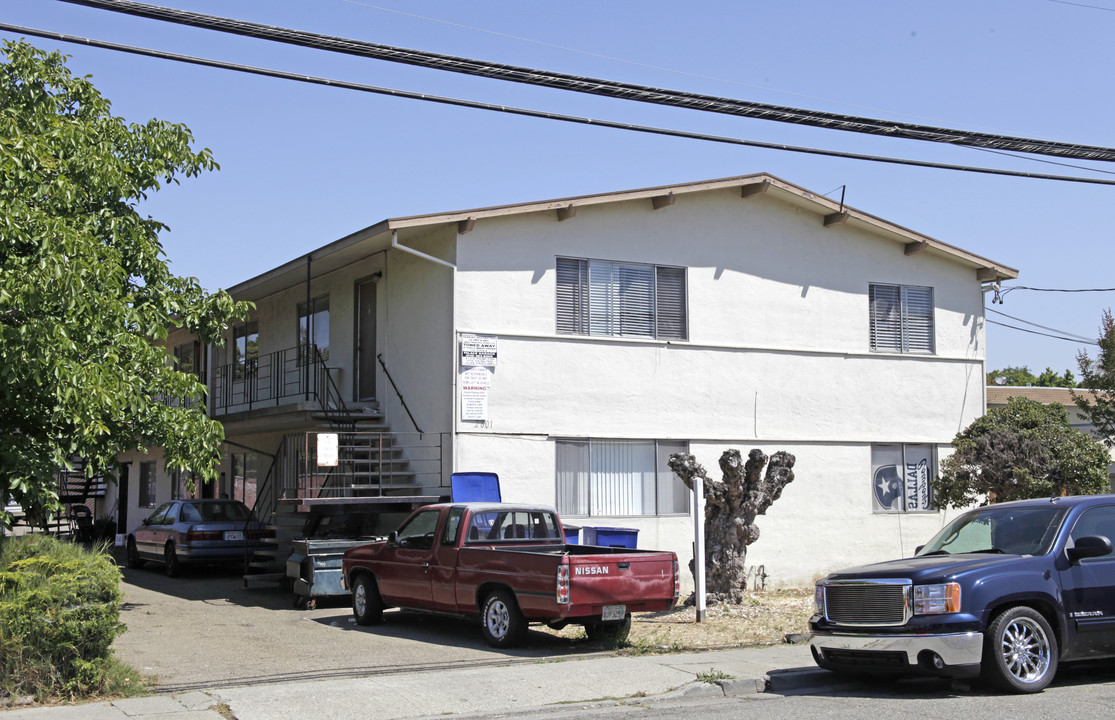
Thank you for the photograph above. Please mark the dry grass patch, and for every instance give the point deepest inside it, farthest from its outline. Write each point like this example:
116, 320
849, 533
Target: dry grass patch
764, 619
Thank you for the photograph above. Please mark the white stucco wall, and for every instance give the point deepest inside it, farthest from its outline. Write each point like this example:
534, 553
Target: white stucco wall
778, 358
416, 334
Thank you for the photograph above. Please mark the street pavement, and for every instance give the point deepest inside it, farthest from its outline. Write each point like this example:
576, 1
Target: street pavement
472, 690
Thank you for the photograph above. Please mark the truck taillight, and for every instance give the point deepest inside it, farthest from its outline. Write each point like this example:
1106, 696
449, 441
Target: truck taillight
562, 593
677, 580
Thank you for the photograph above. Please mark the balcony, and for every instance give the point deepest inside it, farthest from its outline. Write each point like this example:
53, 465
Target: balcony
277, 378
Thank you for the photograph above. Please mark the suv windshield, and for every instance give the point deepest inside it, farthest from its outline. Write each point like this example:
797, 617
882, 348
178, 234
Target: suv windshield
1011, 530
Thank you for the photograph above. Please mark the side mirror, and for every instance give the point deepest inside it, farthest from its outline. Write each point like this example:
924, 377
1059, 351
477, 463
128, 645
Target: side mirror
918, 549
1089, 546
146, 521
393, 539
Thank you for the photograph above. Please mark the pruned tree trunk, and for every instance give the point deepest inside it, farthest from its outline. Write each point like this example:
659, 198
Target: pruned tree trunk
731, 506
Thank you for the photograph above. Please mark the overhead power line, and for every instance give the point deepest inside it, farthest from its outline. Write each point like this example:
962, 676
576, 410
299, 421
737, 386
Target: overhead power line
1067, 335
1035, 332
527, 112
605, 88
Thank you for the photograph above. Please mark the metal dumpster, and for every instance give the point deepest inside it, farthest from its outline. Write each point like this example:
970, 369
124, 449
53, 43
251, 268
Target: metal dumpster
315, 567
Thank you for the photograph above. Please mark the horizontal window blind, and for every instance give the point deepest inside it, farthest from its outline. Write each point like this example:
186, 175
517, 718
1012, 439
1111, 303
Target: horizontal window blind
901, 318
572, 296
602, 297
670, 311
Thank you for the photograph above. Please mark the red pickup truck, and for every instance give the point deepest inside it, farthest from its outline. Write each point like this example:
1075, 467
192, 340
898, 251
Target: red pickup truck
509, 566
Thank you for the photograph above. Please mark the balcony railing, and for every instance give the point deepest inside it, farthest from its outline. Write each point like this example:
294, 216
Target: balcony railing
270, 379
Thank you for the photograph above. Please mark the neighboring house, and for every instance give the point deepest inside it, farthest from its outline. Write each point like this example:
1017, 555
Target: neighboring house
572, 345
998, 396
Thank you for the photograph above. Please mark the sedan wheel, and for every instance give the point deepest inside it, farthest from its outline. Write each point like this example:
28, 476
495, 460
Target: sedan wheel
1020, 652
134, 560
170, 559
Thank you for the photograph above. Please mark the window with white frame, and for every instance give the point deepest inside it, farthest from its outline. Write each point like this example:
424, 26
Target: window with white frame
619, 477
901, 318
900, 477
602, 297
147, 476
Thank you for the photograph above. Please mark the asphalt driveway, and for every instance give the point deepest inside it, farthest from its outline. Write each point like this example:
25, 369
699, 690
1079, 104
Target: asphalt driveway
204, 628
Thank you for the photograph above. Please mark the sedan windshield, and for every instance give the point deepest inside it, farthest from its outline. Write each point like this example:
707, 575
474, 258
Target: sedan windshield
1011, 530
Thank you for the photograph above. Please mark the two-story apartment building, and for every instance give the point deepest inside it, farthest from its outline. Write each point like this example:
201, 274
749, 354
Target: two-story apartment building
571, 345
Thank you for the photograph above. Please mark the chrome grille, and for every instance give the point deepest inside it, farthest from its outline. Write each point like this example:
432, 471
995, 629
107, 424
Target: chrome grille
868, 602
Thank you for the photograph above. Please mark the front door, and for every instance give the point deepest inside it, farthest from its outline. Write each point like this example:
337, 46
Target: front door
1088, 588
404, 570
366, 340
122, 499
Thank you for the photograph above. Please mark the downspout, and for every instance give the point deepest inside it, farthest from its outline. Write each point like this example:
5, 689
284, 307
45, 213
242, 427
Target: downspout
309, 318
395, 244
453, 322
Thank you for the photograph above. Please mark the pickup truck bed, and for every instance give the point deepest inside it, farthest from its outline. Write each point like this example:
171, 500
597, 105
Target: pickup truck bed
509, 566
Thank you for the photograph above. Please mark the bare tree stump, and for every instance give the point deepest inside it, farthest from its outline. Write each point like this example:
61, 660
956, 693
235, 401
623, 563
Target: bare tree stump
731, 506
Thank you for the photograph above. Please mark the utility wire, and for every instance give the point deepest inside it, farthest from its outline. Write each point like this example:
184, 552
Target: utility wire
1063, 290
612, 58
1066, 333
531, 113
1035, 332
604, 88
1001, 295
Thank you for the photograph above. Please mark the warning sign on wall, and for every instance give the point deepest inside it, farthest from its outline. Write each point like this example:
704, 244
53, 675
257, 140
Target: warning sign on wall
474, 383
478, 351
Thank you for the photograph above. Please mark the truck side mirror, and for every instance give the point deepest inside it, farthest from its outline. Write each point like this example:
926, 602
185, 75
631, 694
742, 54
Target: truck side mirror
1089, 546
393, 539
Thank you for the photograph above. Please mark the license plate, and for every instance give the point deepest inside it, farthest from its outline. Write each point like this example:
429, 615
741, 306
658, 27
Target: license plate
234, 534
613, 612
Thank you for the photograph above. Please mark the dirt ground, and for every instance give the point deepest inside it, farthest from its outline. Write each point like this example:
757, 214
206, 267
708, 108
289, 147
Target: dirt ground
765, 619
205, 629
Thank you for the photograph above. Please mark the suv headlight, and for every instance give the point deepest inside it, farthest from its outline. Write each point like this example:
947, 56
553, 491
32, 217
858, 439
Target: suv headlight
819, 598
936, 599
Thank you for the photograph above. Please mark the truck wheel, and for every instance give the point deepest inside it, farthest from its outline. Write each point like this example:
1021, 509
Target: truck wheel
609, 633
504, 626
1020, 651
367, 605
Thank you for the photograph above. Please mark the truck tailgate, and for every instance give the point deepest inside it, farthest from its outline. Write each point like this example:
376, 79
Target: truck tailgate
641, 581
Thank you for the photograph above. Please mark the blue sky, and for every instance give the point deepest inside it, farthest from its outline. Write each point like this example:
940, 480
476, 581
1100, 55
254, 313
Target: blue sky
304, 165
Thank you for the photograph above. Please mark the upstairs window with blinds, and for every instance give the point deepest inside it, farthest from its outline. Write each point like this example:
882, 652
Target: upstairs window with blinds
601, 297
902, 318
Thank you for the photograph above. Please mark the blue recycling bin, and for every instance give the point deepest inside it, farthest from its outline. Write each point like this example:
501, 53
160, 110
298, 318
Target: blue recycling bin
611, 537
475, 487
572, 534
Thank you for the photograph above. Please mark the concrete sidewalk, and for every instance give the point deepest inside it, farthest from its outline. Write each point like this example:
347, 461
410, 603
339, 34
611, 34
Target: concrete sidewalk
471, 690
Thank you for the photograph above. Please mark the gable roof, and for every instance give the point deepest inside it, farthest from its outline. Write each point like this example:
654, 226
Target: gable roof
829, 213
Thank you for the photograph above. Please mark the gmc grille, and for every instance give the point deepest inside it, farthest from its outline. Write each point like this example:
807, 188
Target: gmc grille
868, 602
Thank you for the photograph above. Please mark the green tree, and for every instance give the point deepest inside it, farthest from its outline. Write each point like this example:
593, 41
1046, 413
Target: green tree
1098, 377
1024, 450
1013, 376
1049, 378
1022, 377
86, 296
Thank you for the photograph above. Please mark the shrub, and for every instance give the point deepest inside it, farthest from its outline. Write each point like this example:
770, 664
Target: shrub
59, 613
